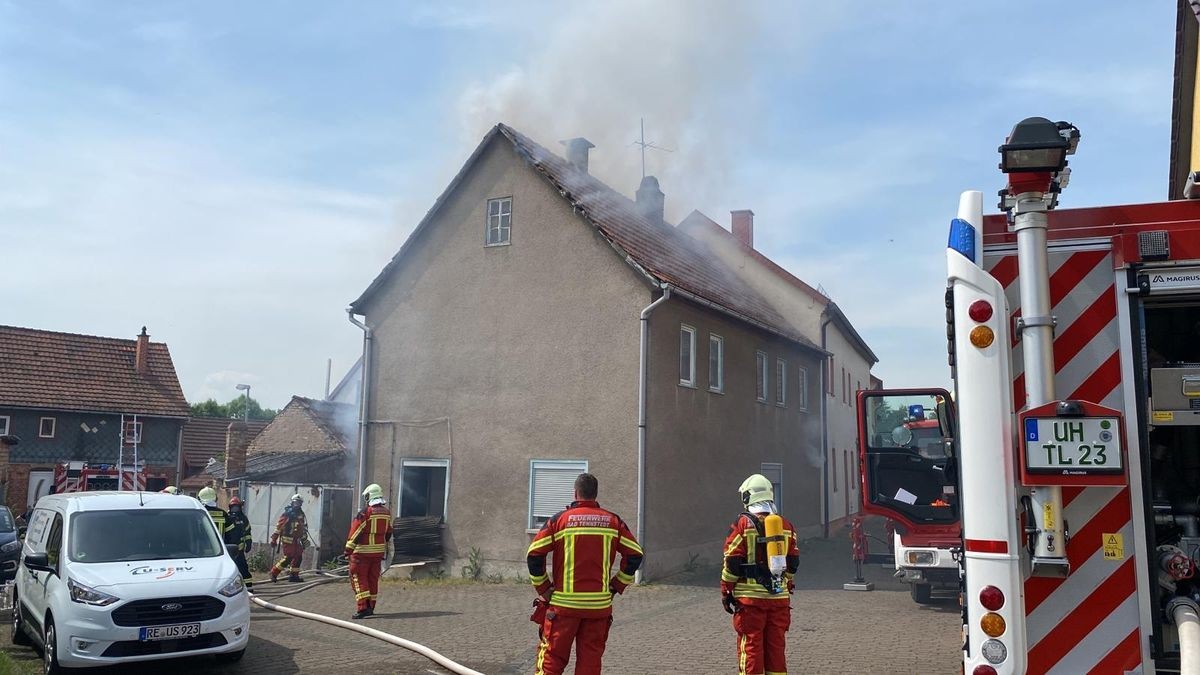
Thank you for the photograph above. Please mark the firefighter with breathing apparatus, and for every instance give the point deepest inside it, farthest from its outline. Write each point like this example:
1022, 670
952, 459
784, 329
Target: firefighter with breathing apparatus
366, 547
291, 533
238, 534
220, 518
760, 560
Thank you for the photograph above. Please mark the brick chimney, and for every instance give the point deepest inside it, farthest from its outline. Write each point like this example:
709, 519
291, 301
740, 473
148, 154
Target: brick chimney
237, 439
743, 226
7, 443
577, 152
141, 354
650, 200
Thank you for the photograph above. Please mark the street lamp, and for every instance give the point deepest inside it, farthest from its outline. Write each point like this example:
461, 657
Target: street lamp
245, 388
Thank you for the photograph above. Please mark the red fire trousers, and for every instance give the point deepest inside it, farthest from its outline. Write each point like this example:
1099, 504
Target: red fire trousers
364, 578
558, 633
293, 554
762, 638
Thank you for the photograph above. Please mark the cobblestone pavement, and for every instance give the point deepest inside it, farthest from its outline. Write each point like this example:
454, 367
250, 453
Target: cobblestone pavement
673, 626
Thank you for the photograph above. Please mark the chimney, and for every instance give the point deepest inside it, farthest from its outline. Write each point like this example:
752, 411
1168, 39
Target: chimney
743, 226
237, 439
577, 152
141, 354
650, 200
7, 443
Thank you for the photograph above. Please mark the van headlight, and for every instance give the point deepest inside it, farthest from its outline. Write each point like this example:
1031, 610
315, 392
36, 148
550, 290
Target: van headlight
233, 587
88, 595
10, 547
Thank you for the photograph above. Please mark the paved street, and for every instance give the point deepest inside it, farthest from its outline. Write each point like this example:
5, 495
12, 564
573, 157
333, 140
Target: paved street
674, 626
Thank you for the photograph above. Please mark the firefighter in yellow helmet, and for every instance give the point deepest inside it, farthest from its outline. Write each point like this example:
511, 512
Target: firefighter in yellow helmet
760, 560
220, 518
170, 490
366, 547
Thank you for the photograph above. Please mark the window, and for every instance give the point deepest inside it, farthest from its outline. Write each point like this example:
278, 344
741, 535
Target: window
423, 487
687, 355
716, 363
761, 382
46, 427
780, 382
499, 221
834, 465
142, 534
4, 425
54, 542
551, 487
774, 473
846, 466
844, 380
829, 376
802, 382
132, 434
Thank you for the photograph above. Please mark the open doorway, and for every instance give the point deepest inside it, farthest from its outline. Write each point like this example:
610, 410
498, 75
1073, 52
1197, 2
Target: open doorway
423, 487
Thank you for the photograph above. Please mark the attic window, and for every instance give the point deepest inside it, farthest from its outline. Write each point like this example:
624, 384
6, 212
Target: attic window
46, 427
499, 221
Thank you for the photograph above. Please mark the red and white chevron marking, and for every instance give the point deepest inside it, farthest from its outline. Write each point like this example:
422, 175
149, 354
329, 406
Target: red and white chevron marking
1088, 622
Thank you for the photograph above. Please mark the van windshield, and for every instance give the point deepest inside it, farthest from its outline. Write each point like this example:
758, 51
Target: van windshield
142, 534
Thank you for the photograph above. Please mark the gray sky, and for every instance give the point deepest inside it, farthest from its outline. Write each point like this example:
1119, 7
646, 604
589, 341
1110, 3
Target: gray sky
232, 175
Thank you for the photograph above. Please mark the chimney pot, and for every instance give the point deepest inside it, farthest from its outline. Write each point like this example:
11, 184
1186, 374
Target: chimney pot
237, 439
743, 226
141, 353
650, 200
577, 152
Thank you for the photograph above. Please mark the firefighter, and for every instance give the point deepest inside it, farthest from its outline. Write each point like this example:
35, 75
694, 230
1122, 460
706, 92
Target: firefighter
220, 518
759, 599
170, 490
577, 595
366, 547
238, 534
291, 532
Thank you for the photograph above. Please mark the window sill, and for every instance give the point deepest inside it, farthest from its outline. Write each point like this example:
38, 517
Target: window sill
803, 410
528, 531
780, 405
503, 243
687, 385
716, 391
761, 400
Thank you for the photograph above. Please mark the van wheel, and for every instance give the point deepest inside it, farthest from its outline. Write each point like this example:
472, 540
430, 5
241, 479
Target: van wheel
922, 594
50, 665
231, 657
19, 636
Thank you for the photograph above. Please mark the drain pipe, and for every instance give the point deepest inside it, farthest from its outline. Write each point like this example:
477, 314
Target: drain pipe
421, 649
363, 399
643, 365
1186, 615
825, 321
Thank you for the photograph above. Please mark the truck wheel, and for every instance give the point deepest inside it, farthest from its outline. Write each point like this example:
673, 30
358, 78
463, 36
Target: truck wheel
921, 593
19, 636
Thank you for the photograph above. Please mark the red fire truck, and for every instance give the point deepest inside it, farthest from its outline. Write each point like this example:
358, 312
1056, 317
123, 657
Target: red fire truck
1075, 354
85, 477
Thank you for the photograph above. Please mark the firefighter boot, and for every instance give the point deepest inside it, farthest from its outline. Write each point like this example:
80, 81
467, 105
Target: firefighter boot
294, 578
362, 614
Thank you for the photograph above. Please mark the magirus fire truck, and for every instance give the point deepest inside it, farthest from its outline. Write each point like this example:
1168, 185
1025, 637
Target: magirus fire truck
1074, 432
89, 477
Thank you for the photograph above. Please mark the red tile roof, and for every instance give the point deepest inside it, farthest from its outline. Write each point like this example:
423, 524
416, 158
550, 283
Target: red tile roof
658, 250
65, 371
204, 437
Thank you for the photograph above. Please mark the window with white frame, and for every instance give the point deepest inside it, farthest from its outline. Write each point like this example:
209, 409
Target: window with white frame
551, 487
716, 363
773, 472
4, 423
760, 391
687, 355
46, 426
499, 221
802, 381
780, 382
424, 484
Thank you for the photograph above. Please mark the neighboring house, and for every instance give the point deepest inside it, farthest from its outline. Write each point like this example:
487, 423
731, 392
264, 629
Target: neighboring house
204, 439
822, 321
506, 357
85, 398
348, 389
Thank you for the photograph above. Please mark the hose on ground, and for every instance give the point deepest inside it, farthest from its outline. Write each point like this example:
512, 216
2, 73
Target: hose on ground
428, 653
1184, 614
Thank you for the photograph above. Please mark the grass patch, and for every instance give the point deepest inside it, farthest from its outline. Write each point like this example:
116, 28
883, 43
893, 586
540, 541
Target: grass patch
24, 666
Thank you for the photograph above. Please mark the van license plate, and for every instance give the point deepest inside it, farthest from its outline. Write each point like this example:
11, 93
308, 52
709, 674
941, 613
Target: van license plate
176, 632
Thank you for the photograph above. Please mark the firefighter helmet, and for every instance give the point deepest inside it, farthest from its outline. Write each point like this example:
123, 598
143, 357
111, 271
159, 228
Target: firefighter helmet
171, 490
236, 501
756, 489
208, 496
297, 499
373, 492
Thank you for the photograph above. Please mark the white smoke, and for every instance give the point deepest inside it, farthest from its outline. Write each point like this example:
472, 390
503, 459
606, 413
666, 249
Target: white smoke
683, 66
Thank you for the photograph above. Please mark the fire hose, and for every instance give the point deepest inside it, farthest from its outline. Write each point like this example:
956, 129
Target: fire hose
1186, 616
332, 575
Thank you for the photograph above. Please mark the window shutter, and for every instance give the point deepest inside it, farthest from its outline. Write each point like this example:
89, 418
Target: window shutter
552, 488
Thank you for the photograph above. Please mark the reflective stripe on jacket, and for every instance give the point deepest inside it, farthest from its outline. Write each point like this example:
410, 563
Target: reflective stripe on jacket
743, 547
292, 528
370, 531
585, 540
220, 519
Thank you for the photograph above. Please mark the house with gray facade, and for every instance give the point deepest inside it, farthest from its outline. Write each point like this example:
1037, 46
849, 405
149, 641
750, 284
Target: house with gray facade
537, 324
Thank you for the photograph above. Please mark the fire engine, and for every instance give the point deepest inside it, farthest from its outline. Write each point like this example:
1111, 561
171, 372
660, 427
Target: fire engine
85, 477
1074, 352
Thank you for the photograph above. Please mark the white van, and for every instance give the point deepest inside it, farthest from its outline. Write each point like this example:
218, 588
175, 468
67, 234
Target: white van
117, 577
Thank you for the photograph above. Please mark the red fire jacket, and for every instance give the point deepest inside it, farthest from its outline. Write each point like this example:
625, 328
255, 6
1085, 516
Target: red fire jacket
746, 558
370, 531
292, 527
585, 540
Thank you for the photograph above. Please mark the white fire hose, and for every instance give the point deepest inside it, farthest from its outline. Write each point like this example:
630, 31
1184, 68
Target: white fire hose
1186, 615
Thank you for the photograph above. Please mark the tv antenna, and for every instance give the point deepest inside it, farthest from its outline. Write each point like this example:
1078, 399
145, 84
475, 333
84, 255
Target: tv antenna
647, 145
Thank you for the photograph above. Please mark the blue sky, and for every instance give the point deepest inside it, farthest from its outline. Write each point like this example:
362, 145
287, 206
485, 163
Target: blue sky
231, 175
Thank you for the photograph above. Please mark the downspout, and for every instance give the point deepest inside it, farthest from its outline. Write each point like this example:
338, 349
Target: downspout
643, 364
363, 400
825, 321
